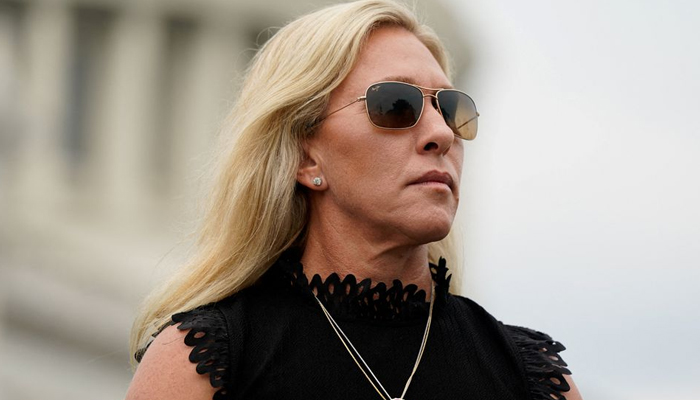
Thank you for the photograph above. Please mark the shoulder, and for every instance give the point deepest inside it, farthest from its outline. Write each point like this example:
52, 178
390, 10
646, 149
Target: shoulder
166, 370
538, 354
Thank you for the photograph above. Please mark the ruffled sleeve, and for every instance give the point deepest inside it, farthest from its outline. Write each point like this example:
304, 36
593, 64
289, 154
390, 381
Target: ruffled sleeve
544, 368
209, 339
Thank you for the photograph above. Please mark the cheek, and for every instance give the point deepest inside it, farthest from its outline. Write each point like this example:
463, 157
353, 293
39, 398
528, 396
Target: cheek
458, 157
362, 158
456, 160
363, 175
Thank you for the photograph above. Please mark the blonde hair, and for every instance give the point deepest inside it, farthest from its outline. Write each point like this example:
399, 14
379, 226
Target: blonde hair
256, 211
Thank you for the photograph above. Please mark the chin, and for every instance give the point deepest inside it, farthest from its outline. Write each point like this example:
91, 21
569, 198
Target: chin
437, 233
433, 228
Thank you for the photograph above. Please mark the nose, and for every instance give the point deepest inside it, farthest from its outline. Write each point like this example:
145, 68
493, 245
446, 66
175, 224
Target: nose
434, 136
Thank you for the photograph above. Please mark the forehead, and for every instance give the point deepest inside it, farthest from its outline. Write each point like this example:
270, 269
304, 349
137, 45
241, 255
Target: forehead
393, 53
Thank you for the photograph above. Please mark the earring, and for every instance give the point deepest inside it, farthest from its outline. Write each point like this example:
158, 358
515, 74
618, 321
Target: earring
317, 181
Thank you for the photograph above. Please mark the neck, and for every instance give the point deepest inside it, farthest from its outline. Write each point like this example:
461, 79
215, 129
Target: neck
345, 249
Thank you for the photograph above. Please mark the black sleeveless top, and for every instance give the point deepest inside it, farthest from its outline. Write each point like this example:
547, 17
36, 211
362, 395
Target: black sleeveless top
272, 341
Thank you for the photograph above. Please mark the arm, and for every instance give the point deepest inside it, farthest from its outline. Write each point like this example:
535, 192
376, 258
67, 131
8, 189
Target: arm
573, 393
165, 372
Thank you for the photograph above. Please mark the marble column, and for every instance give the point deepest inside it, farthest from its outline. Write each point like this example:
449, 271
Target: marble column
120, 138
206, 88
40, 160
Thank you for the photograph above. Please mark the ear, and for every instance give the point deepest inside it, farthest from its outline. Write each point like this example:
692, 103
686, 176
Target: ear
310, 169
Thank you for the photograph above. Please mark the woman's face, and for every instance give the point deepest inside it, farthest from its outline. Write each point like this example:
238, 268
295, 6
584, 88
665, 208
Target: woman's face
397, 185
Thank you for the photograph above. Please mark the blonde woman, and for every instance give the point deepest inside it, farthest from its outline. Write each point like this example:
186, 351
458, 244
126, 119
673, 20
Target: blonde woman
319, 272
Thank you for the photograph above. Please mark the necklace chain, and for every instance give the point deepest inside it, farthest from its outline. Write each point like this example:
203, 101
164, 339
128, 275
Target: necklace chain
348, 346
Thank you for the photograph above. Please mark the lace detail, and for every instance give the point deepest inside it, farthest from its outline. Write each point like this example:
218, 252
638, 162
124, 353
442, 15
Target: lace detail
544, 368
209, 338
348, 297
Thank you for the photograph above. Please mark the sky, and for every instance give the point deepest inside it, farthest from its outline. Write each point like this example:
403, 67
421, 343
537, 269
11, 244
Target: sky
581, 192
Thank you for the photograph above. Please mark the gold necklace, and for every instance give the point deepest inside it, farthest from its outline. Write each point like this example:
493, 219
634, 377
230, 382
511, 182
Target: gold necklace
348, 345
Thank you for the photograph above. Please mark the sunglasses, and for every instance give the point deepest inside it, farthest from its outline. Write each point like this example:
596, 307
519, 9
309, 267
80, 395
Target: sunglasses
399, 105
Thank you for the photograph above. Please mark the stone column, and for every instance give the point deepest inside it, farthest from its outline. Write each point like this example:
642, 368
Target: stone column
205, 93
40, 162
120, 138
9, 76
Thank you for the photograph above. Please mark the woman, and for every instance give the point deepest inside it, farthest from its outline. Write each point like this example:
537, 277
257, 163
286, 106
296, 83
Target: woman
313, 273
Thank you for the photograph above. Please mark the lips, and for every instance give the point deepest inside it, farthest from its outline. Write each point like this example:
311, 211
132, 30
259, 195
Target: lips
435, 177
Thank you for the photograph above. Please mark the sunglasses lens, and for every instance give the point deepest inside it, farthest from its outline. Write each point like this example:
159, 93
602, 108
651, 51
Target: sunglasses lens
394, 105
459, 112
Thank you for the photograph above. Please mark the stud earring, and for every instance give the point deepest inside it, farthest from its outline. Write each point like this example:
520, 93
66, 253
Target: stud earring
317, 181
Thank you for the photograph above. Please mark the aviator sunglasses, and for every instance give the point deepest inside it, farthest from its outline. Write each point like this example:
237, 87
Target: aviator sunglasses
399, 105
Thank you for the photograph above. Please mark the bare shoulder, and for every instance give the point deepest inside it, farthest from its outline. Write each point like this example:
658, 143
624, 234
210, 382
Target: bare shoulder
573, 393
165, 372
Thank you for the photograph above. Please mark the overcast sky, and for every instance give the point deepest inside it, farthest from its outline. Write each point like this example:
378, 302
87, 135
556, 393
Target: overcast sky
581, 193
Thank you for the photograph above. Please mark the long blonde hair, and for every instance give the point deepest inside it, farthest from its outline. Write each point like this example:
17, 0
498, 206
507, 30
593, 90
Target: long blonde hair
255, 210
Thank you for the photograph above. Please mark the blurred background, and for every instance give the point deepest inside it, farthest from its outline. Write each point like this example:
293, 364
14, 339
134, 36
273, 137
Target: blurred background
580, 203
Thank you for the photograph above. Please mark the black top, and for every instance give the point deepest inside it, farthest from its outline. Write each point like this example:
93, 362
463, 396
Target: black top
272, 341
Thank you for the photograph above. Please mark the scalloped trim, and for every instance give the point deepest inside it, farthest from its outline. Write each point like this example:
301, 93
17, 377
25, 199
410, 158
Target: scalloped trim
209, 338
348, 297
544, 368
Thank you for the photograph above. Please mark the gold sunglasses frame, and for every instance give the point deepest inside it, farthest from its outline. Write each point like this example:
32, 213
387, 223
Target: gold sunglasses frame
422, 89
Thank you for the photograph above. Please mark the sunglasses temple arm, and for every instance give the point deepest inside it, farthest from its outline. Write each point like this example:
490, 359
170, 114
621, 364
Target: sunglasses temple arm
340, 109
469, 120
311, 126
